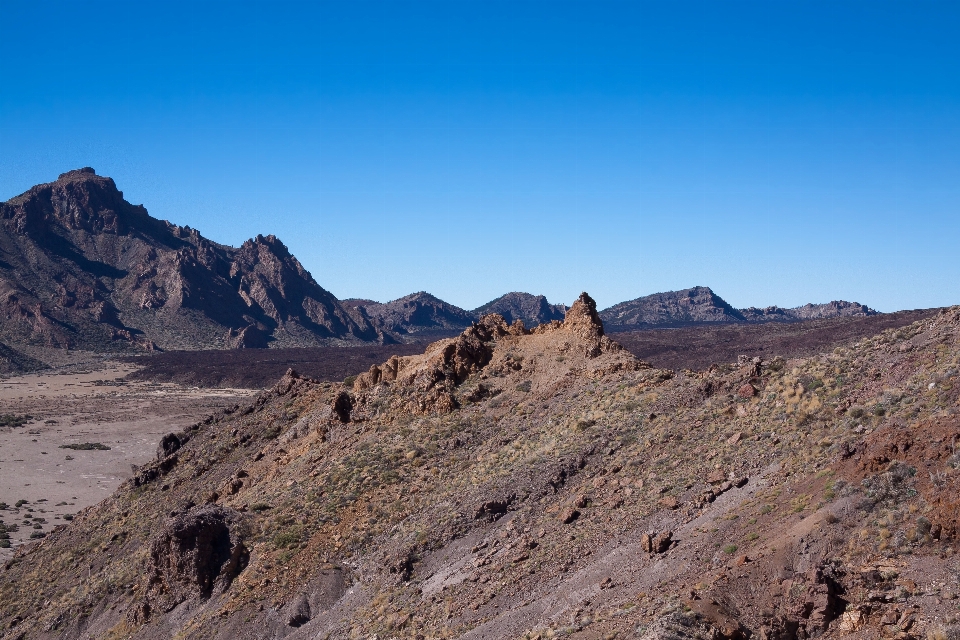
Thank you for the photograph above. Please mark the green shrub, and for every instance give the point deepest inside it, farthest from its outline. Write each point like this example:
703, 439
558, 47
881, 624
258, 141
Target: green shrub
86, 446
289, 538
730, 549
11, 420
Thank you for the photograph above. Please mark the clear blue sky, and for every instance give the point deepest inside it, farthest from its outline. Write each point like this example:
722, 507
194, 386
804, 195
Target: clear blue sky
779, 152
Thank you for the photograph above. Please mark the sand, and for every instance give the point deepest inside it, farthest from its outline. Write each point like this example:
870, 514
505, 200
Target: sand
75, 407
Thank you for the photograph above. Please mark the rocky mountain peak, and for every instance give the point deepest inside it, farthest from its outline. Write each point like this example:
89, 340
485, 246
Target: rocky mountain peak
84, 268
582, 318
78, 200
697, 304
81, 173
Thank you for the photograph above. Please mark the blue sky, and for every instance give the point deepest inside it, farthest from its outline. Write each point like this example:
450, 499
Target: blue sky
779, 152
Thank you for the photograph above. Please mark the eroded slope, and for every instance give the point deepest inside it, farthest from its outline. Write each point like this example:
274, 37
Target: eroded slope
511, 484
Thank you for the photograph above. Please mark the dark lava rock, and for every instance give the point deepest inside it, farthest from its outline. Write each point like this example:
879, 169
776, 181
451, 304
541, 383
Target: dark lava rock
199, 553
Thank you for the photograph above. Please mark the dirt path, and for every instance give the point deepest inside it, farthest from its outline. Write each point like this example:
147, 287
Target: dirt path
84, 407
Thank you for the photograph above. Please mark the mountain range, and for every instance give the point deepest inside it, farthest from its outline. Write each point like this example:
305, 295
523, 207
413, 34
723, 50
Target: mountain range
82, 268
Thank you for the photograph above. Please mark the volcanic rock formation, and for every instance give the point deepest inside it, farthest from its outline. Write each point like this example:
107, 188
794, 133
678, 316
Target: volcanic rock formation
700, 305
531, 309
80, 267
416, 313
515, 483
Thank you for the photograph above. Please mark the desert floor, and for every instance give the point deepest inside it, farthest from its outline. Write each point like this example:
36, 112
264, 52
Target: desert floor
85, 406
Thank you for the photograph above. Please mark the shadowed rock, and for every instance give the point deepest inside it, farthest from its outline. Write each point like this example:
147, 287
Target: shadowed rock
199, 553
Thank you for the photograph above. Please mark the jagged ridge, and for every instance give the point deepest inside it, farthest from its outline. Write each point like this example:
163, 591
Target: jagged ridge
81, 267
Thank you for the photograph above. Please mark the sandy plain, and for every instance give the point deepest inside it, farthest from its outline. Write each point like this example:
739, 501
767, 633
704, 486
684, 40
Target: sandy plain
84, 405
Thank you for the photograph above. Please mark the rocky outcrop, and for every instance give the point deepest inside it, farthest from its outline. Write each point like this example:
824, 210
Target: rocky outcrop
80, 267
432, 377
247, 338
429, 382
198, 553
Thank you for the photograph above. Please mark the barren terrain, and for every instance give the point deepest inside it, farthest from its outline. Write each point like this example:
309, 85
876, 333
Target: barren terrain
78, 407
510, 483
261, 368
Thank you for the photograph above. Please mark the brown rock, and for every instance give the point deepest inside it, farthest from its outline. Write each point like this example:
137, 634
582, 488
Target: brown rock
669, 502
646, 542
716, 476
656, 543
249, 337
747, 391
569, 515
662, 542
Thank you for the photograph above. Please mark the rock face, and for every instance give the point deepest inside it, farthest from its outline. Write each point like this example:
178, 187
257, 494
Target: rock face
531, 309
197, 554
80, 267
700, 305
247, 338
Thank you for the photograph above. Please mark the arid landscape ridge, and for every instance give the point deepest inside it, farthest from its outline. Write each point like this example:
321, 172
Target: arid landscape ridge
82, 268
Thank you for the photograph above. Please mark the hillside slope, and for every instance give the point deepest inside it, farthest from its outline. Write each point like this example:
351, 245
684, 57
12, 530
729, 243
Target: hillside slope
700, 305
515, 484
80, 267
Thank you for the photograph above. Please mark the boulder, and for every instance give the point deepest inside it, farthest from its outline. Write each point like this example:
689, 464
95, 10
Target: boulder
198, 554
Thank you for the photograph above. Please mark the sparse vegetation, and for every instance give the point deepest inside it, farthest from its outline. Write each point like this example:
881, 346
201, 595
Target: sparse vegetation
86, 446
13, 420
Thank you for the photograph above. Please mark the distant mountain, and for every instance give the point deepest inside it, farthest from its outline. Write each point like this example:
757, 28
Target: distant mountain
81, 267
422, 315
835, 309
689, 306
701, 305
416, 313
532, 310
